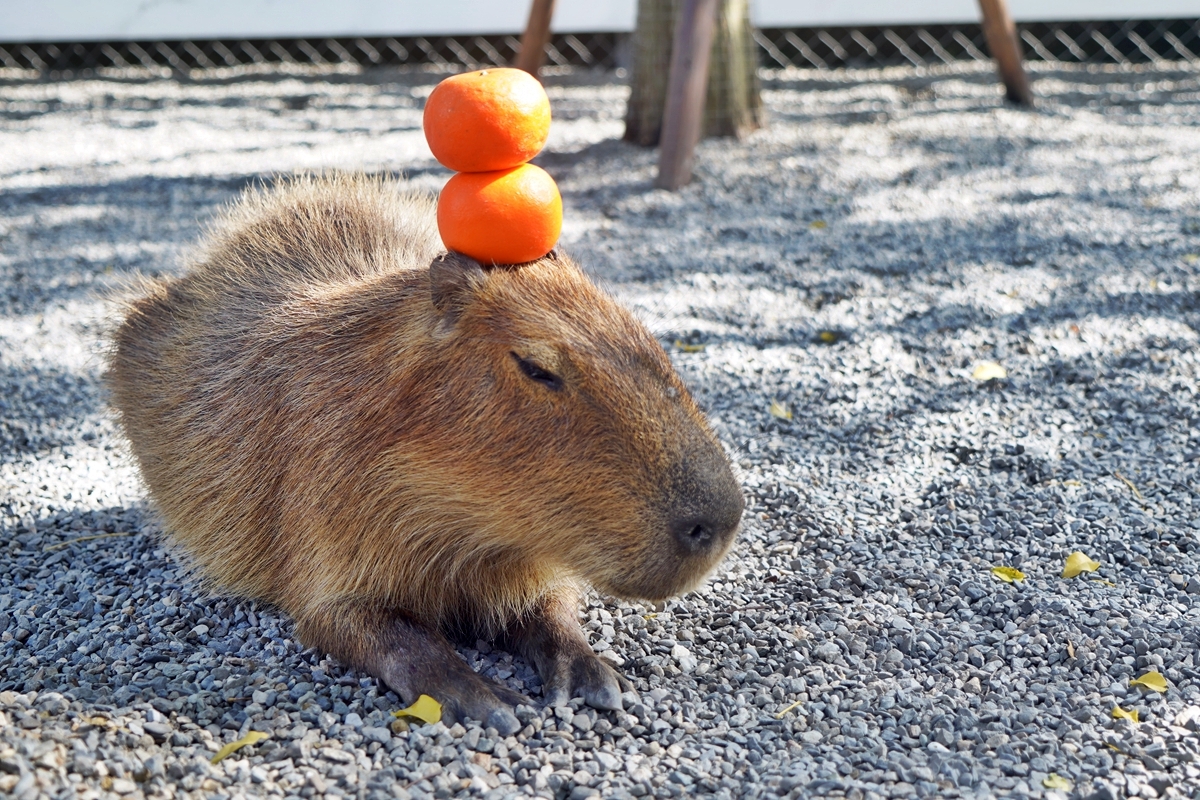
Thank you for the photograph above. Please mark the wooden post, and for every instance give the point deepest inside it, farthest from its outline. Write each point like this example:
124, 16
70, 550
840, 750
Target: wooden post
1001, 34
686, 85
733, 105
533, 41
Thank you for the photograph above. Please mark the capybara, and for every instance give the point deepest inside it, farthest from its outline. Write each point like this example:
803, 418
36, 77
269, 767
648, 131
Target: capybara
399, 447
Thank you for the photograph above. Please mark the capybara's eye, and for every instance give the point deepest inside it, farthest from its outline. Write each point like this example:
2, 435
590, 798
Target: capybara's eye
536, 373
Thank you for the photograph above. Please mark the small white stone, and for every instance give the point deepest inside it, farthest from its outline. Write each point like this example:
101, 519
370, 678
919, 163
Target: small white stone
684, 658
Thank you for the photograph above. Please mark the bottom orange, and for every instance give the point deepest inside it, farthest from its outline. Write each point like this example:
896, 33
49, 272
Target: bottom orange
509, 216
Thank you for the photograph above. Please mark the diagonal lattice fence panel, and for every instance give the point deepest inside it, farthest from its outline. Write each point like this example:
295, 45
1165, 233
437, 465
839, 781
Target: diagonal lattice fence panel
1110, 42
597, 50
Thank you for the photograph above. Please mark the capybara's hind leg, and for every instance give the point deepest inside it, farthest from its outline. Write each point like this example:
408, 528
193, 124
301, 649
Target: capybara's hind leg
412, 660
551, 638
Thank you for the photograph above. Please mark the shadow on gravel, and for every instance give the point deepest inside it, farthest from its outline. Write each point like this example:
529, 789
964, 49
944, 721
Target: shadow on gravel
65, 242
784, 253
102, 609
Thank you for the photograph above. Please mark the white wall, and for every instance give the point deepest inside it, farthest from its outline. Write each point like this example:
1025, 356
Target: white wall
81, 20
71, 20
813, 13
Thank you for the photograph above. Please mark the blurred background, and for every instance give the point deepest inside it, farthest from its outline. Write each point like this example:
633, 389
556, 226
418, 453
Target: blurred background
58, 36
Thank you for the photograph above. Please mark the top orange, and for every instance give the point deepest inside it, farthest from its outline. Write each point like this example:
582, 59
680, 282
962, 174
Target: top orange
487, 120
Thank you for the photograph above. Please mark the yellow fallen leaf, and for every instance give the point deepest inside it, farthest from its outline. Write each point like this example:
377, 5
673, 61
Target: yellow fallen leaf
779, 410
1103, 582
1078, 563
1056, 781
1120, 713
1191, 258
817, 224
1153, 680
1072, 483
781, 714
425, 709
688, 348
989, 371
828, 337
1008, 574
231, 748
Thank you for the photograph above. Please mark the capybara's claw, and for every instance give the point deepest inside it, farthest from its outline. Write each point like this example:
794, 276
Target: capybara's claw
487, 703
504, 721
606, 697
584, 676
602, 686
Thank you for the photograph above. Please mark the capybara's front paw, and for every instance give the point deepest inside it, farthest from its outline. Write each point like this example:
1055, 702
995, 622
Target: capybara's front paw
423, 662
467, 696
584, 675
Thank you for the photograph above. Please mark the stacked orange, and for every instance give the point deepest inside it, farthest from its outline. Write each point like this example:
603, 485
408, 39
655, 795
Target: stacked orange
486, 125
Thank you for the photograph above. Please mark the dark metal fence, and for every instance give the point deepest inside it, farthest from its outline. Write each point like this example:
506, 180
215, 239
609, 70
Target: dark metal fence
1112, 42
599, 50
1129, 42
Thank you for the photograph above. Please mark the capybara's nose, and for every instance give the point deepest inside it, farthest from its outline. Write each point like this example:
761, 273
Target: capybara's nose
710, 514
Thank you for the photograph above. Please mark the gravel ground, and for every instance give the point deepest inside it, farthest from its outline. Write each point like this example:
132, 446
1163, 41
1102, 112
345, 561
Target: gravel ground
853, 263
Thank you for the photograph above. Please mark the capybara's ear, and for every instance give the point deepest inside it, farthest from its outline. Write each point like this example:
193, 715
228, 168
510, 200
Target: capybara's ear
453, 280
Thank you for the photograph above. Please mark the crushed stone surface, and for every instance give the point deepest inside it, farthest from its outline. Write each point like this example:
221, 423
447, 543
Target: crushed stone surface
828, 288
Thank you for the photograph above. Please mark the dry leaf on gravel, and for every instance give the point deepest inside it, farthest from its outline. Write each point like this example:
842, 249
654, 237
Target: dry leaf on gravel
77, 539
1120, 713
1153, 680
1008, 574
989, 371
781, 714
686, 347
425, 709
779, 410
1078, 563
1132, 487
1057, 782
250, 738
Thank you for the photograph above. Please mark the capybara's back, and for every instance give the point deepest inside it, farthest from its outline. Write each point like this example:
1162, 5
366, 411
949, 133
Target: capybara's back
389, 442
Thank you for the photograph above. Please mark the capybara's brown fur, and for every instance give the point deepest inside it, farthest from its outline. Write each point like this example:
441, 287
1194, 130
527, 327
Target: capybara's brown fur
390, 442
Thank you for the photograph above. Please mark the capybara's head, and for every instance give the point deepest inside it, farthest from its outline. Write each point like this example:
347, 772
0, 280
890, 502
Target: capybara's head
566, 435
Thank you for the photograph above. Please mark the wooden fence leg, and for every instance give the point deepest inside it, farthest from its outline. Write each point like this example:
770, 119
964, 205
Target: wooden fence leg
687, 83
533, 41
1001, 36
